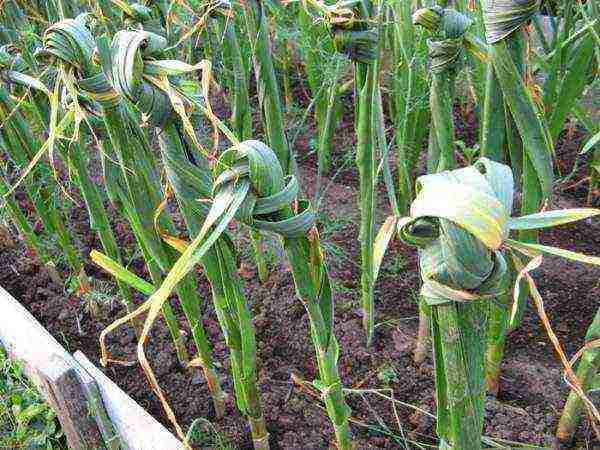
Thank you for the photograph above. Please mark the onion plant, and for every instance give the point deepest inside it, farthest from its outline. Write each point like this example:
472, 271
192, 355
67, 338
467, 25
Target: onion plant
520, 127
448, 27
70, 44
460, 221
110, 88
355, 35
189, 183
138, 191
445, 54
250, 185
587, 371
92, 198
241, 114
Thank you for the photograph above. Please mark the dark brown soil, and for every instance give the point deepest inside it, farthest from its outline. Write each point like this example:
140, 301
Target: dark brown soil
532, 395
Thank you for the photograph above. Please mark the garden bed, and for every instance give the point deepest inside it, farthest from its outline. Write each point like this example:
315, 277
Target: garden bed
532, 390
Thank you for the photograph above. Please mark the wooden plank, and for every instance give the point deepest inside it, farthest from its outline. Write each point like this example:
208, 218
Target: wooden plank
52, 369
25, 339
112, 441
67, 397
136, 427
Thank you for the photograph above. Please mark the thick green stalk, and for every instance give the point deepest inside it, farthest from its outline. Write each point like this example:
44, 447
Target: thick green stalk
459, 338
495, 145
298, 252
529, 122
312, 283
250, 185
460, 271
361, 43
241, 120
140, 196
449, 27
499, 137
587, 371
189, 183
441, 144
456, 258
507, 57
530, 150
493, 127
268, 89
364, 80
244, 353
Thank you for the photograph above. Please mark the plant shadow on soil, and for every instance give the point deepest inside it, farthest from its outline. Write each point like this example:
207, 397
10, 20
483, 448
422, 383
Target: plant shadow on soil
533, 392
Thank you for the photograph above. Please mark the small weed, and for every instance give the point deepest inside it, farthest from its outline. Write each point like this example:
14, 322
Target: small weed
397, 266
103, 292
469, 154
206, 435
26, 421
340, 288
387, 373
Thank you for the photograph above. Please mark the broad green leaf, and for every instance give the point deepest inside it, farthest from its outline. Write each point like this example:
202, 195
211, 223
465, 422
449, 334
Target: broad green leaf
548, 219
28, 81
534, 250
382, 240
595, 139
474, 210
121, 273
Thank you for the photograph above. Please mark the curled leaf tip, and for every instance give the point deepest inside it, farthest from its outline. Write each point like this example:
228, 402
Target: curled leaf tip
428, 18
358, 45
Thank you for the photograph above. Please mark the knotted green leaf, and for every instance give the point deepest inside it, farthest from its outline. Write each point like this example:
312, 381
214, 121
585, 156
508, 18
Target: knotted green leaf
460, 220
358, 45
503, 17
449, 28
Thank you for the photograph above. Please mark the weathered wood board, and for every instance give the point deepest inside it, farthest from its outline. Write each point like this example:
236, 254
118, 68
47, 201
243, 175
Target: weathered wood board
90, 406
135, 425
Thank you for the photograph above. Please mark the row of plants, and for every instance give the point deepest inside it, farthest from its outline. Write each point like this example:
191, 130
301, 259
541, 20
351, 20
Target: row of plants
131, 85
